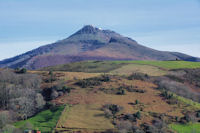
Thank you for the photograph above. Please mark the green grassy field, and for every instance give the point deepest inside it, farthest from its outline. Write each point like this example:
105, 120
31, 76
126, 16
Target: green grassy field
108, 66
188, 128
45, 121
170, 64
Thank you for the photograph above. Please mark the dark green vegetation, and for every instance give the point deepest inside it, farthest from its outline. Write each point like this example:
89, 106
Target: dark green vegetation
188, 128
44, 121
87, 66
111, 110
93, 81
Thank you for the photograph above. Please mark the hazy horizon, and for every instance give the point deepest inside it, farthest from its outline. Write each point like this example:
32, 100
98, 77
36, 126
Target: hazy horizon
162, 25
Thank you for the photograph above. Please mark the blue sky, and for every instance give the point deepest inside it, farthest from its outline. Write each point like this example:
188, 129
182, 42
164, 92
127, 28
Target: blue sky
168, 25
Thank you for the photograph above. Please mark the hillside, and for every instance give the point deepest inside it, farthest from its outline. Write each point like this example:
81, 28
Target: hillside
90, 43
103, 97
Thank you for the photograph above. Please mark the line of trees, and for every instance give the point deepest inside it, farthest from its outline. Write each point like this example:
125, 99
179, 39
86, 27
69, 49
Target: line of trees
20, 93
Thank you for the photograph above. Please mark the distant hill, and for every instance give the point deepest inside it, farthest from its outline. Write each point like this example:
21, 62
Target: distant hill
90, 43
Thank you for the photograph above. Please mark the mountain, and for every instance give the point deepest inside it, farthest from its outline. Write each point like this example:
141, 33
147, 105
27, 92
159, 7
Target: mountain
90, 43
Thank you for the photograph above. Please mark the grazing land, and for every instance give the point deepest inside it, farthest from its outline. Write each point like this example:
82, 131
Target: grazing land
44, 121
189, 128
107, 96
160, 67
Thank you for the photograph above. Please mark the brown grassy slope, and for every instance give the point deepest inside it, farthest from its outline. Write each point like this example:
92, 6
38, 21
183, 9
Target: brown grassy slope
88, 98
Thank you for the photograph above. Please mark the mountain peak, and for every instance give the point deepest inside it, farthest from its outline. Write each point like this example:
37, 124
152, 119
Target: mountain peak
88, 29
90, 43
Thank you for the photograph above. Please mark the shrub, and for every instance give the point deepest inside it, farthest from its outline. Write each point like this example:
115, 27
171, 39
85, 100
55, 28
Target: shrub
50, 73
60, 87
159, 124
120, 91
136, 101
175, 78
198, 114
177, 88
108, 113
124, 127
166, 94
138, 76
88, 82
93, 81
113, 108
54, 94
189, 117
105, 78
138, 115
133, 89
39, 101
149, 128
130, 117
21, 71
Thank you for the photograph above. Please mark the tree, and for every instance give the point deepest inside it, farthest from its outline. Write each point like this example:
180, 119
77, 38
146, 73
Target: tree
54, 94
21, 71
4, 118
136, 101
39, 101
113, 108
4, 96
138, 115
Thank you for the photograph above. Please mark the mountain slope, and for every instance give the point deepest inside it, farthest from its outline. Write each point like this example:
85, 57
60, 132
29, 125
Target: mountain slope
90, 43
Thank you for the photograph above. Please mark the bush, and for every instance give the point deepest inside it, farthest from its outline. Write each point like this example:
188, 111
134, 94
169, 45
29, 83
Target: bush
136, 101
66, 89
138, 115
108, 113
93, 81
198, 114
166, 94
124, 127
113, 109
159, 124
120, 91
150, 129
177, 88
105, 78
21, 71
88, 82
189, 117
133, 89
138, 76
130, 117
54, 94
